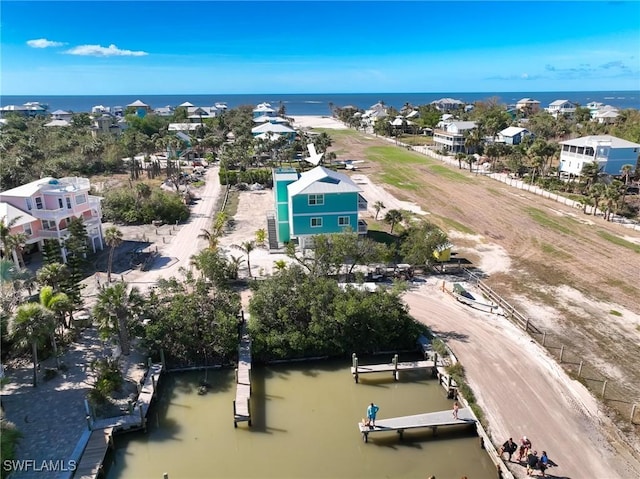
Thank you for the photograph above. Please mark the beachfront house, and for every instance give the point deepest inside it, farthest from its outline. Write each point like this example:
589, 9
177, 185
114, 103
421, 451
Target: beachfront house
450, 136
528, 106
447, 104
139, 108
318, 201
45, 207
512, 135
29, 109
561, 107
263, 109
610, 152
105, 124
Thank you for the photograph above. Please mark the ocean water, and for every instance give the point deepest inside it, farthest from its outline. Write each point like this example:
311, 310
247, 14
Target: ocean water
319, 103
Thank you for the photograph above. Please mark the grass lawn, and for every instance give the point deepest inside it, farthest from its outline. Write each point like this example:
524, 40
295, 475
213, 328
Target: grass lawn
619, 241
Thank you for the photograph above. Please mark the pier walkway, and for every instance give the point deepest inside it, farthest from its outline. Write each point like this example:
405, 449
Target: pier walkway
393, 367
242, 403
432, 420
92, 449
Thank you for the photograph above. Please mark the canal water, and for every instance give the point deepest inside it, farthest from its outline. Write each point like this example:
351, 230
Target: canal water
305, 418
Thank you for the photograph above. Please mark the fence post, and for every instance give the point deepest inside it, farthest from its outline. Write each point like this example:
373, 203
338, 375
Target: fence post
561, 352
544, 338
604, 388
580, 369
633, 413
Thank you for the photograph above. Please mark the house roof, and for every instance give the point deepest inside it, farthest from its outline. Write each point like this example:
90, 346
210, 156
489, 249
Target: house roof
186, 103
272, 127
28, 189
60, 112
558, 102
449, 101
138, 103
9, 212
593, 140
513, 131
182, 126
607, 114
321, 180
272, 119
527, 100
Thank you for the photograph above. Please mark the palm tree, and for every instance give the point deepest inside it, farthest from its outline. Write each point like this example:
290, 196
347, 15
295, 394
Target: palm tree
591, 171
626, 173
261, 237
234, 266
612, 195
378, 205
393, 217
57, 304
31, 325
596, 192
212, 239
113, 239
247, 247
53, 274
11, 243
113, 311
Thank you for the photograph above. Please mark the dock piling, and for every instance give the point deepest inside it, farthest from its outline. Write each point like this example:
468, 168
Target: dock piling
395, 366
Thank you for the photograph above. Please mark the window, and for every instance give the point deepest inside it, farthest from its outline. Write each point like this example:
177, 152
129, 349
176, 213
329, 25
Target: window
68, 203
29, 204
316, 200
81, 199
27, 230
316, 222
343, 221
48, 225
60, 203
39, 202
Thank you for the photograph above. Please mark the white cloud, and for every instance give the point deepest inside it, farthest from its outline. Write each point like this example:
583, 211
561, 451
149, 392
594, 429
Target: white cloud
44, 43
100, 51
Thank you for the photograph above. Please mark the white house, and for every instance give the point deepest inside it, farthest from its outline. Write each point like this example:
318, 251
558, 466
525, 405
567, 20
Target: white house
561, 107
451, 136
512, 135
610, 152
447, 104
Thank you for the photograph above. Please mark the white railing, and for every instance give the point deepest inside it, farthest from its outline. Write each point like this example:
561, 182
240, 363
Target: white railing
362, 227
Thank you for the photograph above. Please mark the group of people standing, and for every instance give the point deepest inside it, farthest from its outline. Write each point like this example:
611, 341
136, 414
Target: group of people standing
526, 454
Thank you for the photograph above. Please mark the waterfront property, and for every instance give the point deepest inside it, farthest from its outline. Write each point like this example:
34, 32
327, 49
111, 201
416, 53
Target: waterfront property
43, 209
318, 201
609, 152
561, 107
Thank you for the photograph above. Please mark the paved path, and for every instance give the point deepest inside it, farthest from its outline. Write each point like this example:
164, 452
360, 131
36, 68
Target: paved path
521, 389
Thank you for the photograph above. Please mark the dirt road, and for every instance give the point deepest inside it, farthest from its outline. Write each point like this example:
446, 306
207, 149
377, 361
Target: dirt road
521, 390
184, 242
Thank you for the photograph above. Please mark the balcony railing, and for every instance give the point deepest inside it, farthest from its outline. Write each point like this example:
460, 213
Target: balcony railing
66, 185
362, 227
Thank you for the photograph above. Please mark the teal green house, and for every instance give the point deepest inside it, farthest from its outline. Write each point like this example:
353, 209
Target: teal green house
318, 201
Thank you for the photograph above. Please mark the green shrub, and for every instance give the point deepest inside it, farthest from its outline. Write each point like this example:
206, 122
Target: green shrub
121, 205
9, 437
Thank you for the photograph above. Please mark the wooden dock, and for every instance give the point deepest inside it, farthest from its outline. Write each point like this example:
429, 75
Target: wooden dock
90, 465
137, 419
393, 367
242, 403
90, 462
431, 420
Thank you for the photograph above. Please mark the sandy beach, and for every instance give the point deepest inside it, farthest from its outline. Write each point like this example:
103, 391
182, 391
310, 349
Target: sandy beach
315, 121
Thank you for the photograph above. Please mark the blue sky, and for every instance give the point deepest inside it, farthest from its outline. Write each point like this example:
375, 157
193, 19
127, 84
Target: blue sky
202, 47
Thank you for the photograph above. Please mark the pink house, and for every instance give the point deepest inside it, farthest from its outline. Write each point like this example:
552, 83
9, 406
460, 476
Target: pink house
44, 208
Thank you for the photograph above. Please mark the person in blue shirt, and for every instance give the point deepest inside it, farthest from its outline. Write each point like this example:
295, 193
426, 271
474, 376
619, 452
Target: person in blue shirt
372, 410
543, 463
